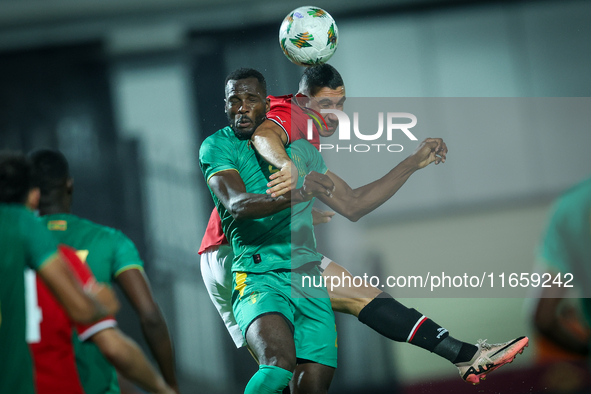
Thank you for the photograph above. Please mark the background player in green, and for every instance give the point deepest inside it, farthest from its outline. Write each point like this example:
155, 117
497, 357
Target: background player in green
566, 248
25, 242
111, 256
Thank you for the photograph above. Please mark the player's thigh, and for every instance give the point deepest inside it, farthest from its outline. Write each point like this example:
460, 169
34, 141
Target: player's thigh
341, 284
216, 263
270, 339
265, 312
216, 269
315, 330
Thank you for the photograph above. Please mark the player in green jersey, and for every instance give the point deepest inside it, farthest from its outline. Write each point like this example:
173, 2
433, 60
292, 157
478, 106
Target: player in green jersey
249, 218
564, 256
232, 185
112, 257
24, 242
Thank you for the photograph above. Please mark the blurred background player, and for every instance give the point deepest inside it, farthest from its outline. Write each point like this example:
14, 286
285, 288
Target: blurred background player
24, 242
561, 318
111, 256
53, 353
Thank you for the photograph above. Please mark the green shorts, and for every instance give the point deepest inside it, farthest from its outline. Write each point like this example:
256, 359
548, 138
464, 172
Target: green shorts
315, 334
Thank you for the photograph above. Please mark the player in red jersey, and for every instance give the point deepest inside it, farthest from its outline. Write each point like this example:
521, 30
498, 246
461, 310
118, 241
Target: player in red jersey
53, 357
51, 344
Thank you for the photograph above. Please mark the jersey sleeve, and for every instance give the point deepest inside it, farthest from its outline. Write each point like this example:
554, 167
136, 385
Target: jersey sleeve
294, 121
215, 156
41, 245
281, 114
84, 275
126, 255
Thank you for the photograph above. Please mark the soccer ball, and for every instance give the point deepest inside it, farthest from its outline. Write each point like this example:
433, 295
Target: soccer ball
308, 36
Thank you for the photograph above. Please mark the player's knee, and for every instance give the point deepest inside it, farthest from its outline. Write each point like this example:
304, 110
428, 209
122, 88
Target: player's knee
284, 361
351, 306
269, 379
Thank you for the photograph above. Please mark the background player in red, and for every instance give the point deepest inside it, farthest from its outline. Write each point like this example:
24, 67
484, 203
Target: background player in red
53, 351
109, 253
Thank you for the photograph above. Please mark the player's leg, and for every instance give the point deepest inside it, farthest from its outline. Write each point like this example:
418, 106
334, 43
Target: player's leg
395, 321
317, 378
216, 270
390, 318
346, 298
265, 314
271, 340
315, 336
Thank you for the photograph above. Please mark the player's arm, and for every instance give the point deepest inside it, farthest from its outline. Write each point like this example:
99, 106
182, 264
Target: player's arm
83, 305
229, 188
136, 287
269, 140
356, 203
130, 361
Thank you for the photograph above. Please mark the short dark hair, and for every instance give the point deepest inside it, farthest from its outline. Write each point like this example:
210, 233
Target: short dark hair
318, 77
51, 170
16, 177
243, 73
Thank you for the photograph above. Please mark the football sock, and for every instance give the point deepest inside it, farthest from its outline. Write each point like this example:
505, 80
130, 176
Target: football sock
268, 380
395, 321
466, 353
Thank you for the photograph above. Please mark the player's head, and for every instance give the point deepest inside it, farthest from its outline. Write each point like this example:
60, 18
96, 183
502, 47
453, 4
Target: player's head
246, 101
53, 177
17, 181
325, 89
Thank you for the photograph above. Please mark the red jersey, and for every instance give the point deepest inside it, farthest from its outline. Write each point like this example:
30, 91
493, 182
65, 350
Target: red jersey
214, 236
53, 351
293, 119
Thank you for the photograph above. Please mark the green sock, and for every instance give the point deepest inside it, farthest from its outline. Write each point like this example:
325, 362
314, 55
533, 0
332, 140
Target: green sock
268, 380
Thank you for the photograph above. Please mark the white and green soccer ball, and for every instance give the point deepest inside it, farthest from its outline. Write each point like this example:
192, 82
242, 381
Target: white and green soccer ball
308, 36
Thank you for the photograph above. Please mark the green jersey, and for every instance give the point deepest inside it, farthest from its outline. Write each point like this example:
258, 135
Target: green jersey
23, 243
566, 246
108, 252
284, 240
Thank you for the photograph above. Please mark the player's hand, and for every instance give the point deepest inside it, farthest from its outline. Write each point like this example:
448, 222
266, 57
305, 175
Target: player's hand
319, 217
316, 184
429, 151
283, 181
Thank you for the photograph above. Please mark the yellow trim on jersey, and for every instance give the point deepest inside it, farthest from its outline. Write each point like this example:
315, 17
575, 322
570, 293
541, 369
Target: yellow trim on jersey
315, 118
241, 282
129, 267
227, 169
57, 225
82, 255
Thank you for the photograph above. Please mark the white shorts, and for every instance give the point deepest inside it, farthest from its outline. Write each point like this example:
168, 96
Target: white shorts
216, 270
